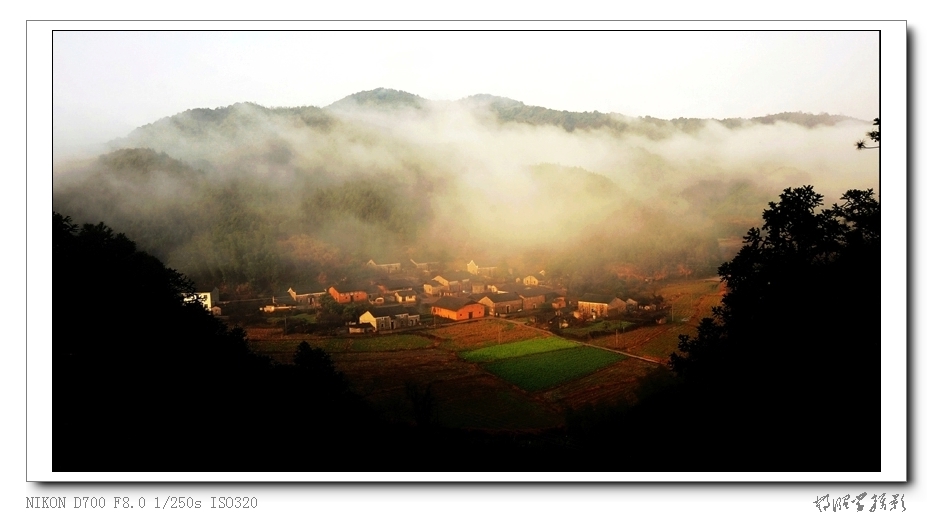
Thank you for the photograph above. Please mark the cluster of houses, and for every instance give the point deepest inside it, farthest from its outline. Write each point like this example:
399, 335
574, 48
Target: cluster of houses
397, 301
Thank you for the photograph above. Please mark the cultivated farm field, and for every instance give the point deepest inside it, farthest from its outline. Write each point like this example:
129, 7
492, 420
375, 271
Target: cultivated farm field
614, 383
692, 301
486, 332
466, 395
517, 349
544, 370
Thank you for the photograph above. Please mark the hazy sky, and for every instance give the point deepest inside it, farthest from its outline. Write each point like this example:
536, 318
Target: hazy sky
107, 83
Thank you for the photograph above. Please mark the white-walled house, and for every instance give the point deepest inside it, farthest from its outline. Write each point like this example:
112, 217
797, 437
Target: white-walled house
208, 299
390, 318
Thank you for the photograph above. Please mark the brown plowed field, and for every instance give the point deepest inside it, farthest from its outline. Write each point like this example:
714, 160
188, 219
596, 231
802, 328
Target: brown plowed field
611, 384
478, 334
371, 372
692, 300
486, 402
466, 395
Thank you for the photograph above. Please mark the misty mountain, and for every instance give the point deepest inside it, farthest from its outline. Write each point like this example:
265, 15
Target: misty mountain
226, 121
508, 110
381, 97
261, 198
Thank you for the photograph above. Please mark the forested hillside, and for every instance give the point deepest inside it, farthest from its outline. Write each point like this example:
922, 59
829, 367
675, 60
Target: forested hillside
255, 199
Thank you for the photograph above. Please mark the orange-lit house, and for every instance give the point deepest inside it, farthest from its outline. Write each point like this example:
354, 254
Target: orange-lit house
345, 294
457, 308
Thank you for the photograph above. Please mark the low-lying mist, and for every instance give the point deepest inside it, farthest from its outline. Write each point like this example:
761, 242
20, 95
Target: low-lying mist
271, 198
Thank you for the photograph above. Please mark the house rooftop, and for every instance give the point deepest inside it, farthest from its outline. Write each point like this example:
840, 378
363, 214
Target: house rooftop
452, 303
457, 275
304, 290
396, 284
346, 288
523, 289
535, 291
501, 298
390, 311
596, 298
384, 263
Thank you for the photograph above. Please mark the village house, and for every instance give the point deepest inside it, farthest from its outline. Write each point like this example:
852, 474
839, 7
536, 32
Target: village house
390, 286
498, 304
279, 304
389, 268
304, 298
344, 294
455, 282
433, 287
596, 305
390, 318
534, 297
360, 328
457, 308
423, 266
530, 280
208, 299
477, 287
476, 269
374, 294
405, 297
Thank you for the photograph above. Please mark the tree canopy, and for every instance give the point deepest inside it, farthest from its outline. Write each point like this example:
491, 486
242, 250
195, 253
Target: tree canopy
873, 135
797, 337
145, 380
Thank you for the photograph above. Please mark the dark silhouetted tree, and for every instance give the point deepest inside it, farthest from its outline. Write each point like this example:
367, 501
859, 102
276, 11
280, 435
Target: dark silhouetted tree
874, 136
143, 380
797, 336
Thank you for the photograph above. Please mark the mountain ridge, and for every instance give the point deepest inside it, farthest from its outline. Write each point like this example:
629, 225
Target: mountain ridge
506, 109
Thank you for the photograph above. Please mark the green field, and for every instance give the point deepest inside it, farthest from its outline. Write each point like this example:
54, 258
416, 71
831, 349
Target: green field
544, 370
379, 343
517, 349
